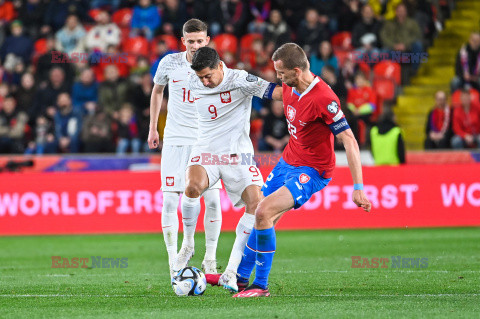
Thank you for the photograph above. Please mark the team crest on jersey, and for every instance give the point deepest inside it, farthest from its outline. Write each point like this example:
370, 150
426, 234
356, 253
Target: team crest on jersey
170, 181
195, 159
226, 97
304, 178
332, 107
291, 113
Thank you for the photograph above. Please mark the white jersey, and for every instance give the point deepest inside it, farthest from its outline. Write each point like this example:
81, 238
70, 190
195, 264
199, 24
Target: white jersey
224, 111
182, 123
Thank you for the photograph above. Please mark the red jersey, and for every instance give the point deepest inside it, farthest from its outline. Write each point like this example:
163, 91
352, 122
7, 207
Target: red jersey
312, 117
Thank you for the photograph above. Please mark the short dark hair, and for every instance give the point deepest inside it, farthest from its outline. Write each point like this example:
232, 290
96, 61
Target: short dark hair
205, 57
194, 25
292, 56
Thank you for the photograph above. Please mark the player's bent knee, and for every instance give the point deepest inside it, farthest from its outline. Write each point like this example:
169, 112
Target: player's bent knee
264, 216
193, 190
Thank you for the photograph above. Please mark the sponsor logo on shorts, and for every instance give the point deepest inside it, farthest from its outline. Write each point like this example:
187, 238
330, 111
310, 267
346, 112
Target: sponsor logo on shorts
195, 159
291, 113
170, 181
226, 97
304, 178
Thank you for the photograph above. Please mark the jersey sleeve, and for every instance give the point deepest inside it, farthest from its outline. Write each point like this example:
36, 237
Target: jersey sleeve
161, 75
331, 113
252, 85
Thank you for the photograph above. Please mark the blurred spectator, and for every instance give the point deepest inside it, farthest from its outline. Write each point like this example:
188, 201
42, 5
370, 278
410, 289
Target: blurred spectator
145, 19
13, 70
402, 34
26, 93
466, 123
337, 84
17, 44
68, 124
128, 137
4, 91
113, 56
44, 137
209, 11
97, 130
311, 32
46, 63
110, 5
362, 99
384, 9
323, 56
277, 30
103, 34
275, 132
141, 67
7, 12
85, 90
140, 99
31, 13
70, 37
174, 15
422, 12
12, 127
58, 11
388, 147
260, 11
467, 67
439, 123
112, 92
294, 11
348, 14
367, 30
234, 14
46, 96
328, 10
161, 50
258, 58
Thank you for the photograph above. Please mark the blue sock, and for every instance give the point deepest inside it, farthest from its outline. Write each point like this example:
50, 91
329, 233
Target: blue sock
266, 244
249, 256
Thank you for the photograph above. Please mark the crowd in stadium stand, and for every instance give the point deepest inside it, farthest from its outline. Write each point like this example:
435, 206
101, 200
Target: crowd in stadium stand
76, 75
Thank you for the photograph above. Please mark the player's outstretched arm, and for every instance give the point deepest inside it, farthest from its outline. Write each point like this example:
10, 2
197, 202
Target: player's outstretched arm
353, 157
155, 106
277, 93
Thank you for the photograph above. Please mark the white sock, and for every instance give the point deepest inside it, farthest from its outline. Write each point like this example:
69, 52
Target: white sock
244, 228
170, 224
190, 211
212, 222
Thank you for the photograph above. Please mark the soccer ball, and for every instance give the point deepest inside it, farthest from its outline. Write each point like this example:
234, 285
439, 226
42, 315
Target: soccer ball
189, 281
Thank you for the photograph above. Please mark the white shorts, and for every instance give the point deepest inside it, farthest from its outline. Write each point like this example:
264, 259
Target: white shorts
173, 166
236, 177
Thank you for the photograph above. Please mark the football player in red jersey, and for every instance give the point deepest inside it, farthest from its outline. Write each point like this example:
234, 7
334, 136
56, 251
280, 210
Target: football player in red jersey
314, 118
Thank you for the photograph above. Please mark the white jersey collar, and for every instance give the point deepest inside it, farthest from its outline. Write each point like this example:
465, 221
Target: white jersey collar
310, 87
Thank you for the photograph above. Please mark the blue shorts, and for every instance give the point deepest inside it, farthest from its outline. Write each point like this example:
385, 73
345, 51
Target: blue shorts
302, 182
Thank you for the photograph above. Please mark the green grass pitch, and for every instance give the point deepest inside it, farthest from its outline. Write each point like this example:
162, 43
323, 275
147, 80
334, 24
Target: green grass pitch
312, 277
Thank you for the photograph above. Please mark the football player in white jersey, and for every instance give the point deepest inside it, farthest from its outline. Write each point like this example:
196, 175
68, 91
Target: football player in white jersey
223, 98
179, 135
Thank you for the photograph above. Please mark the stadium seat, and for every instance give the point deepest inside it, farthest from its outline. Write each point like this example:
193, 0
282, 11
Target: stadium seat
226, 43
342, 40
388, 70
40, 46
365, 68
247, 40
385, 88
474, 96
136, 46
342, 55
93, 13
122, 17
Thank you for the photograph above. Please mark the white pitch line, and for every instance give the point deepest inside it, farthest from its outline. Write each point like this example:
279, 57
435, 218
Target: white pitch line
275, 296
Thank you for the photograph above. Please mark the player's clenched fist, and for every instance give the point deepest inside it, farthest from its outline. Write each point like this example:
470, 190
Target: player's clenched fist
153, 139
361, 200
